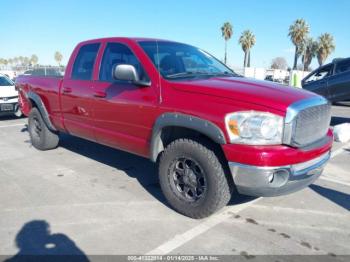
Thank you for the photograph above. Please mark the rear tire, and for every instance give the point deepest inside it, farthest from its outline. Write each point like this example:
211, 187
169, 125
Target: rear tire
41, 137
193, 179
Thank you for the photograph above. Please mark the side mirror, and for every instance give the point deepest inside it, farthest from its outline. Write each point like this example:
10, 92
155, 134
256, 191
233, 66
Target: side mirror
128, 73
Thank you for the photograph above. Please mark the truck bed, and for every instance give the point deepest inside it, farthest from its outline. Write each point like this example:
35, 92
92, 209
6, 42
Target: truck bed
47, 87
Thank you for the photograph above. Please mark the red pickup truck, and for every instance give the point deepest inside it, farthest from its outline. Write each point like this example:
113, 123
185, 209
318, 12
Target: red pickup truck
212, 132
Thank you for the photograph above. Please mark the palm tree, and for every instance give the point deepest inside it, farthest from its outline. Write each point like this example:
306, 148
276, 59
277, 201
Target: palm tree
310, 51
227, 32
298, 33
34, 59
58, 57
326, 46
247, 41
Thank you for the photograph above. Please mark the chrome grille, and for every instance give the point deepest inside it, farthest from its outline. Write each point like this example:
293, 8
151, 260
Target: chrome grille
307, 121
311, 125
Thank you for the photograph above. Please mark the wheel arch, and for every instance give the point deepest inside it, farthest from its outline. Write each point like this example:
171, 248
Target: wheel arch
187, 126
36, 101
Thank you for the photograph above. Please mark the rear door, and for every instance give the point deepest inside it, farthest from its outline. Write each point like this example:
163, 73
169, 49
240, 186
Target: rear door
318, 81
339, 83
77, 94
124, 113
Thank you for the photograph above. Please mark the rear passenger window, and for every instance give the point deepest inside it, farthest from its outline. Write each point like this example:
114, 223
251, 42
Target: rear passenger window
116, 54
84, 62
343, 66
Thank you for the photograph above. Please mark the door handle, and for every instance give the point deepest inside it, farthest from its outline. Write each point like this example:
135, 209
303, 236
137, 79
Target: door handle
100, 94
67, 90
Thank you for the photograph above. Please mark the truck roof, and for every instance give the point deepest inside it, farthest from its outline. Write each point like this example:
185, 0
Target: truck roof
339, 59
334, 61
135, 39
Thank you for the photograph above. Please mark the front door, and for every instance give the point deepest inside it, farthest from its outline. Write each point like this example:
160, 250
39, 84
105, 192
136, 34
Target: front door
124, 113
339, 87
318, 81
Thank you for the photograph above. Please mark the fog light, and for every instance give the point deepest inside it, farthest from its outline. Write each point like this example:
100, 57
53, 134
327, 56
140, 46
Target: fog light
279, 177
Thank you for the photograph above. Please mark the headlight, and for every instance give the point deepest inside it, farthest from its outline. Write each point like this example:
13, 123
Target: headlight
254, 128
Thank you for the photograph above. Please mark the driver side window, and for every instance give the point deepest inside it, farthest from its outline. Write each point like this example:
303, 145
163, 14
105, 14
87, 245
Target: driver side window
116, 54
320, 74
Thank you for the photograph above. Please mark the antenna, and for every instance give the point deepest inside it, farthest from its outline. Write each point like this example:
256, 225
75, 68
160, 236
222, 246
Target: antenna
159, 78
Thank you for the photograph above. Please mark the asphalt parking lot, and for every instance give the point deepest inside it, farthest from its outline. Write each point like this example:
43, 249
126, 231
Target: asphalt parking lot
97, 200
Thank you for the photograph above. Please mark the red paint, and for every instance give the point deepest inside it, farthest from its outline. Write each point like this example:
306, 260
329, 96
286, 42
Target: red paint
279, 155
123, 116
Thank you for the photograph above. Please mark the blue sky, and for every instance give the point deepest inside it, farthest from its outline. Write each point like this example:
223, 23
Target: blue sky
42, 27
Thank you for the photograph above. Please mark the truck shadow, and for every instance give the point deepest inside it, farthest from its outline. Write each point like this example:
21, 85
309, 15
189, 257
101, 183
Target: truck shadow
343, 103
134, 166
339, 120
339, 198
36, 243
142, 169
9, 118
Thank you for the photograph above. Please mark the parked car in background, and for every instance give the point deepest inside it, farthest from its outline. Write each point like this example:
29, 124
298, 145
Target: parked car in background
44, 71
269, 78
286, 80
272, 79
8, 98
331, 81
279, 80
11, 74
210, 130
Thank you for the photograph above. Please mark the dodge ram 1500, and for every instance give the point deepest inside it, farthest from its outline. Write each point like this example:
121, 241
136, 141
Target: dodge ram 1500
212, 132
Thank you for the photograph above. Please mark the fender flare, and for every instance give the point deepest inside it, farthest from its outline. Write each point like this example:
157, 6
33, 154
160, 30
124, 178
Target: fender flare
42, 109
202, 126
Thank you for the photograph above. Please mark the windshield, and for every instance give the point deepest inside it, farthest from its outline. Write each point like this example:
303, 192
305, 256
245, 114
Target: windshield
175, 60
4, 81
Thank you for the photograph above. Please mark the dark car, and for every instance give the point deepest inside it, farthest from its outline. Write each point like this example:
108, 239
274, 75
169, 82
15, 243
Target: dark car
269, 78
331, 81
54, 72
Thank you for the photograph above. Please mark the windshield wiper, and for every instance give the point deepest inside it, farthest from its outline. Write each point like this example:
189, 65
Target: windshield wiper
182, 74
200, 73
191, 74
224, 74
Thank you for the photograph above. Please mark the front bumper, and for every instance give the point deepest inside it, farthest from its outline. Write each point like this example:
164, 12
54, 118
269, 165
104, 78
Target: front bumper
275, 181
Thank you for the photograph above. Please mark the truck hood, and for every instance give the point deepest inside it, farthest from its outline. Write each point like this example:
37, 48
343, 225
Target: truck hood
247, 90
8, 91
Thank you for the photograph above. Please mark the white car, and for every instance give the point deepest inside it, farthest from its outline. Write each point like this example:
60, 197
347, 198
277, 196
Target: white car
8, 98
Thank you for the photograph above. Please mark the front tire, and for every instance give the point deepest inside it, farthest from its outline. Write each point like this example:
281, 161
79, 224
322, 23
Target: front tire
41, 137
193, 179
